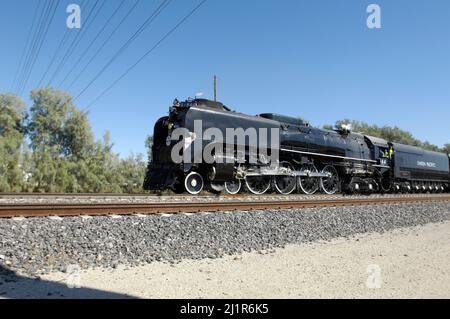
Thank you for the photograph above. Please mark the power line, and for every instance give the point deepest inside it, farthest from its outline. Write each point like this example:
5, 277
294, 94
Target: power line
149, 20
42, 40
77, 39
34, 50
75, 42
60, 46
62, 43
104, 44
36, 12
31, 48
92, 42
146, 54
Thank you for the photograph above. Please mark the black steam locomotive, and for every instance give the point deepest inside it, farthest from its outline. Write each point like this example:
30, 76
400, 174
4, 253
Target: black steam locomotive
288, 155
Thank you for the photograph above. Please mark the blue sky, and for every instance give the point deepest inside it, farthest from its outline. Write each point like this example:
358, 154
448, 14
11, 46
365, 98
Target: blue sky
315, 59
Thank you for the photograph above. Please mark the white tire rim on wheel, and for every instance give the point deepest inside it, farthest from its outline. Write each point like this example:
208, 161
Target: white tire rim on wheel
231, 192
295, 184
321, 181
256, 192
314, 170
193, 183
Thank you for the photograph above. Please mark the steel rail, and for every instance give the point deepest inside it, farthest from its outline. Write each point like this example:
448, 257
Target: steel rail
5, 194
43, 210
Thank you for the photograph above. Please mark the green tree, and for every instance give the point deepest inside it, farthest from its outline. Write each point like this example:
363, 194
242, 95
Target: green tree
148, 146
61, 140
392, 134
431, 147
62, 155
12, 116
131, 172
77, 138
103, 167
446, 148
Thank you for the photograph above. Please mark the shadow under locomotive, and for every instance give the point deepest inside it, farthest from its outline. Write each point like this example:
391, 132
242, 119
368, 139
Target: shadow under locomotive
308, 159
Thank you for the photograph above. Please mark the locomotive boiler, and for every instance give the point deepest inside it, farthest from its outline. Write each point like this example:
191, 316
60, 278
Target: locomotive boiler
202, 144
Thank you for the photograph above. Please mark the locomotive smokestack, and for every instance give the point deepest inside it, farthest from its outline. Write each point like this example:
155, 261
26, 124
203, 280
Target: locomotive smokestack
215, 88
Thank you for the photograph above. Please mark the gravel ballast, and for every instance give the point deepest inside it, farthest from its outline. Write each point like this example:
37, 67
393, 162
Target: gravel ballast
40, 245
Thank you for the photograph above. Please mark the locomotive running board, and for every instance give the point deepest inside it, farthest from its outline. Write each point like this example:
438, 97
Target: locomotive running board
328, 155
294, 174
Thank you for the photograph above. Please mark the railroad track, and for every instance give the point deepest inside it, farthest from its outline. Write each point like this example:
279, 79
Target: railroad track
172, 207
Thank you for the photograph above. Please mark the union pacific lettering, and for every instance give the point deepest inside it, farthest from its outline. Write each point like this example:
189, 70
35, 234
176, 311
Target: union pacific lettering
426, 164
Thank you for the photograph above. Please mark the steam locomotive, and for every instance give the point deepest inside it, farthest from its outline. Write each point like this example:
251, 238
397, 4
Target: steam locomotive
288, 155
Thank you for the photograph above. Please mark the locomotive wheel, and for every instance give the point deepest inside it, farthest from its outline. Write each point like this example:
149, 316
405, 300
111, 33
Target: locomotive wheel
258, 185
330, 184
233, 187
193, 183
386, 185
285, 184
308, 185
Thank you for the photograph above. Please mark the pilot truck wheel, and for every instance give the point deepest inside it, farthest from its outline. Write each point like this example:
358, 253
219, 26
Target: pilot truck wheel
193, 183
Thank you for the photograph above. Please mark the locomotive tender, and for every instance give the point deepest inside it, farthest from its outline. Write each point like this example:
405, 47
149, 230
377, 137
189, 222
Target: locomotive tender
297, 157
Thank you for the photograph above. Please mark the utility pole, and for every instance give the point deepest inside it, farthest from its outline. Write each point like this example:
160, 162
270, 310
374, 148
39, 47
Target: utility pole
215, 88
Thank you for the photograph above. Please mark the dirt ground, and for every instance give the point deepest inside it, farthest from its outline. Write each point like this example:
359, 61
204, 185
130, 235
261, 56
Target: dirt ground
405, 263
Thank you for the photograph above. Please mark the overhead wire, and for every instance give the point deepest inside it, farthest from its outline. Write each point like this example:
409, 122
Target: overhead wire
52, 12
138, 32
89, 46
62, 43
77, 39
27, 41
31, 49
186, 17
78, 76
